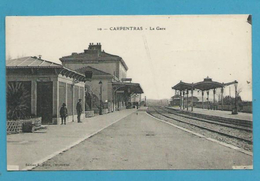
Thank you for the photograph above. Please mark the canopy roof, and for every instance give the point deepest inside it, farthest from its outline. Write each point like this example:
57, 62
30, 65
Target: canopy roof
36, 64
128, 87
31, 62
182, 86
208, 84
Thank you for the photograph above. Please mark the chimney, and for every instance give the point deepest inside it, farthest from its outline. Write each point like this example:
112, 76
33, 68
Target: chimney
96, 47
40, 57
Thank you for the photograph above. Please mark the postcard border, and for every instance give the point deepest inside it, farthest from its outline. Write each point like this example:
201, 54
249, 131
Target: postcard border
123, 7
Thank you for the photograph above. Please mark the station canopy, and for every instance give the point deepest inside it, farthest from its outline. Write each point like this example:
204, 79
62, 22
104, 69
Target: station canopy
208, 84
128, 87
182, 86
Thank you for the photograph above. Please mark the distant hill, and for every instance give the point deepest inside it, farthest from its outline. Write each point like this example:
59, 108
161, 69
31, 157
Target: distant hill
157, 102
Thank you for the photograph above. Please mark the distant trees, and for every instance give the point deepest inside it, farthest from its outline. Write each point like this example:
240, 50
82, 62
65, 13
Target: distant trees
227, 100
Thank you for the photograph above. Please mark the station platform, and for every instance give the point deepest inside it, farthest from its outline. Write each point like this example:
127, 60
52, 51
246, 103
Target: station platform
26, 150
219, 113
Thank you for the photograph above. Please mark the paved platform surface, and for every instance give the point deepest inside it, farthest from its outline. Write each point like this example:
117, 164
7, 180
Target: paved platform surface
25, 149
140, 141
219, 113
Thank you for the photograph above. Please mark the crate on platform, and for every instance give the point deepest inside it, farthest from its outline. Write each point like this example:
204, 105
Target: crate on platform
104, 111
32, 124
96, 110
13, 126
89, 114
25, 125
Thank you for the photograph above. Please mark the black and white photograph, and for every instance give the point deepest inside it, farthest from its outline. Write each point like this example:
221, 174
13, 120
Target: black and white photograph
143, 92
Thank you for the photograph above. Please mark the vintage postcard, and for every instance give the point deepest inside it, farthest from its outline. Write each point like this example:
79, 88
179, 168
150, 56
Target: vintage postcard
168, 92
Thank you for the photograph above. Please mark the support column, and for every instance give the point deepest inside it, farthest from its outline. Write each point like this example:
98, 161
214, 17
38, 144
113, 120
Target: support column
114, 101
202, 93
66, 95
180, 99
34, 97
222, 100
187, 99
214, 101
73, 106
236, 107
191, 99
208, 98
140, 99
55, 101
183, 92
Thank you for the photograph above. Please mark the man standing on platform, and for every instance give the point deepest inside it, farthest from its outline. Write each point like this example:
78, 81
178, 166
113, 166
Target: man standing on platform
79, 110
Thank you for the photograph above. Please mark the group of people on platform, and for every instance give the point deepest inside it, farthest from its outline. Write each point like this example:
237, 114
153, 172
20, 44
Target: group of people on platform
64, 112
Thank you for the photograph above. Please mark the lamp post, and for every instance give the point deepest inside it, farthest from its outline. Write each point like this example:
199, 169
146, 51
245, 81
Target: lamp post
222, 99
100, 107
235, 107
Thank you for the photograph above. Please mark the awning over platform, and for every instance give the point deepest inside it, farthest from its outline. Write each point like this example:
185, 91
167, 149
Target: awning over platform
208, 84
182, 86
128, 87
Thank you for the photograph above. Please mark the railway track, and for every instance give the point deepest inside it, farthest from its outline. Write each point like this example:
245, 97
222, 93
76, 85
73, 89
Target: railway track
225, 123
243, 124
202, 123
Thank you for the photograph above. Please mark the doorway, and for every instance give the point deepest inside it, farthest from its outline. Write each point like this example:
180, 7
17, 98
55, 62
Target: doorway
44, 101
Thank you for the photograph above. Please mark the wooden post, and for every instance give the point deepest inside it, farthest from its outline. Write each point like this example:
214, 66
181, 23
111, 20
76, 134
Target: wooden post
34, 97
187, 99
214, 102
72, 87
183, 92
222, 99
180, 99
202, 93
208, 98
192, 98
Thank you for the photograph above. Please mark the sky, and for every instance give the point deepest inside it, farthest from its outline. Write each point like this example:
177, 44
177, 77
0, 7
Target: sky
160, 51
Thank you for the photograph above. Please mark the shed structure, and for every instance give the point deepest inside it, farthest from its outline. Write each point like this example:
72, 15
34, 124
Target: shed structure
49, 86
204, 86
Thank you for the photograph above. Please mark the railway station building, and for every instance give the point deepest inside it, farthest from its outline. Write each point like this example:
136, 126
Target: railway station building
42, 87
109, 73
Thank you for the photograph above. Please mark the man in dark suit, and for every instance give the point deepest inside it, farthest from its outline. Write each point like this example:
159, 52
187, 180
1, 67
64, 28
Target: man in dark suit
63, 113
79, 110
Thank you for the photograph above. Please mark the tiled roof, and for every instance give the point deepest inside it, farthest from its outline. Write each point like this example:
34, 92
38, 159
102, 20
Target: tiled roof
208, 84
127, 86
182, 86
36, 63
93, 56
31, 62
93, 70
